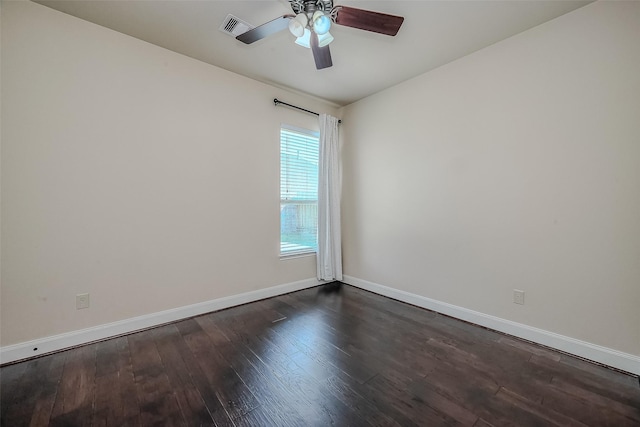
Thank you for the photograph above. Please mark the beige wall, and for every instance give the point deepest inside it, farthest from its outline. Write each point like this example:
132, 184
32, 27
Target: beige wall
146, 178
515, 167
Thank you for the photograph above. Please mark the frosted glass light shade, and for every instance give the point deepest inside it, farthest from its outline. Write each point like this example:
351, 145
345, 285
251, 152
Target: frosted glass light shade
305, 39
325, 39
321, 23
297, 25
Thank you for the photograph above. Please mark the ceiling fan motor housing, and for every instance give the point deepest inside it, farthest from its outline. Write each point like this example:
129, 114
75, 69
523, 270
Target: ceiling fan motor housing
310, 6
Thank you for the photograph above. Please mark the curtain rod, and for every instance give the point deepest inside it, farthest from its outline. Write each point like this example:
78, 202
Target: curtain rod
277, 102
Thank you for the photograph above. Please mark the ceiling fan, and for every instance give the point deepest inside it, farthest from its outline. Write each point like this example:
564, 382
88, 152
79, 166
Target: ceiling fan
312, 22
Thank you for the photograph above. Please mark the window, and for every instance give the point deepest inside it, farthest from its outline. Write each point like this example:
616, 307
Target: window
298, 191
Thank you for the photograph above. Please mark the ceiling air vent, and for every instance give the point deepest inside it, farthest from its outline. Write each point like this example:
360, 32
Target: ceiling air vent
234, 26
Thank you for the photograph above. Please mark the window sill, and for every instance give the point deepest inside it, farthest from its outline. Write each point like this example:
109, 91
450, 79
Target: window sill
296, 255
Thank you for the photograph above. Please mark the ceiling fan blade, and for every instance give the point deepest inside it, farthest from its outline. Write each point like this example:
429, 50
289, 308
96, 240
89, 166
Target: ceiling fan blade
367, 20
265, 30
322, 55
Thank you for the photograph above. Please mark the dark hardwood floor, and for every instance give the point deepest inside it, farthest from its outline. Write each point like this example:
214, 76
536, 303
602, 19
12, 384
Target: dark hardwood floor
316, 359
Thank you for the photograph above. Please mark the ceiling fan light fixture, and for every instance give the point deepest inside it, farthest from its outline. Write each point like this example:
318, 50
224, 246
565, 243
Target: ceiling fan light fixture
321, 23
297, 25
325, 39
311, 21
305, 39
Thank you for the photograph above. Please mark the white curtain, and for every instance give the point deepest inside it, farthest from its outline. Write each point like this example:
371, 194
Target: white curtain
329, 236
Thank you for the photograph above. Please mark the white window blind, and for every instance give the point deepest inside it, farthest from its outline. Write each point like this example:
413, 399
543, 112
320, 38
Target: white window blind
298, 191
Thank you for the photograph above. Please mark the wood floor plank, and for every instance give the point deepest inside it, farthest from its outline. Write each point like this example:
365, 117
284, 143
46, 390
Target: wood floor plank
363, 407
624, 406
158, 403
190, 401
109, 358
318, 407
590, 387
74, 400
10, 377
327, 409
607, 374
33, 392
316, 342
511, 372
116, 402
256, 417
25, 394
413, 407
584, 411
108, 403
232, 393
530, 348
535, 409
47, 390
285, 408
316, 358
206, 390
422, 391
469, 391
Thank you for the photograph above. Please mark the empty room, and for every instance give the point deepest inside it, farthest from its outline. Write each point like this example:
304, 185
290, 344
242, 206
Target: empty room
456, 239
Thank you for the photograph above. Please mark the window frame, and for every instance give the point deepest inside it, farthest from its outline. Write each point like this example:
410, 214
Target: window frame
302, 250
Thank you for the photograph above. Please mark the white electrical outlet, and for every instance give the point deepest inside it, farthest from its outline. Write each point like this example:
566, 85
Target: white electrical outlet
518, 296
82, 301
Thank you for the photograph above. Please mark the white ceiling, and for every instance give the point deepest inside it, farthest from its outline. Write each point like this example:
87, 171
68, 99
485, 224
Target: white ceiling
434, 33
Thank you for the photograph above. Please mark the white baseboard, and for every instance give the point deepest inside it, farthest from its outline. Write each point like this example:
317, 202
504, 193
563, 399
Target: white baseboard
616, 359
38, 347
